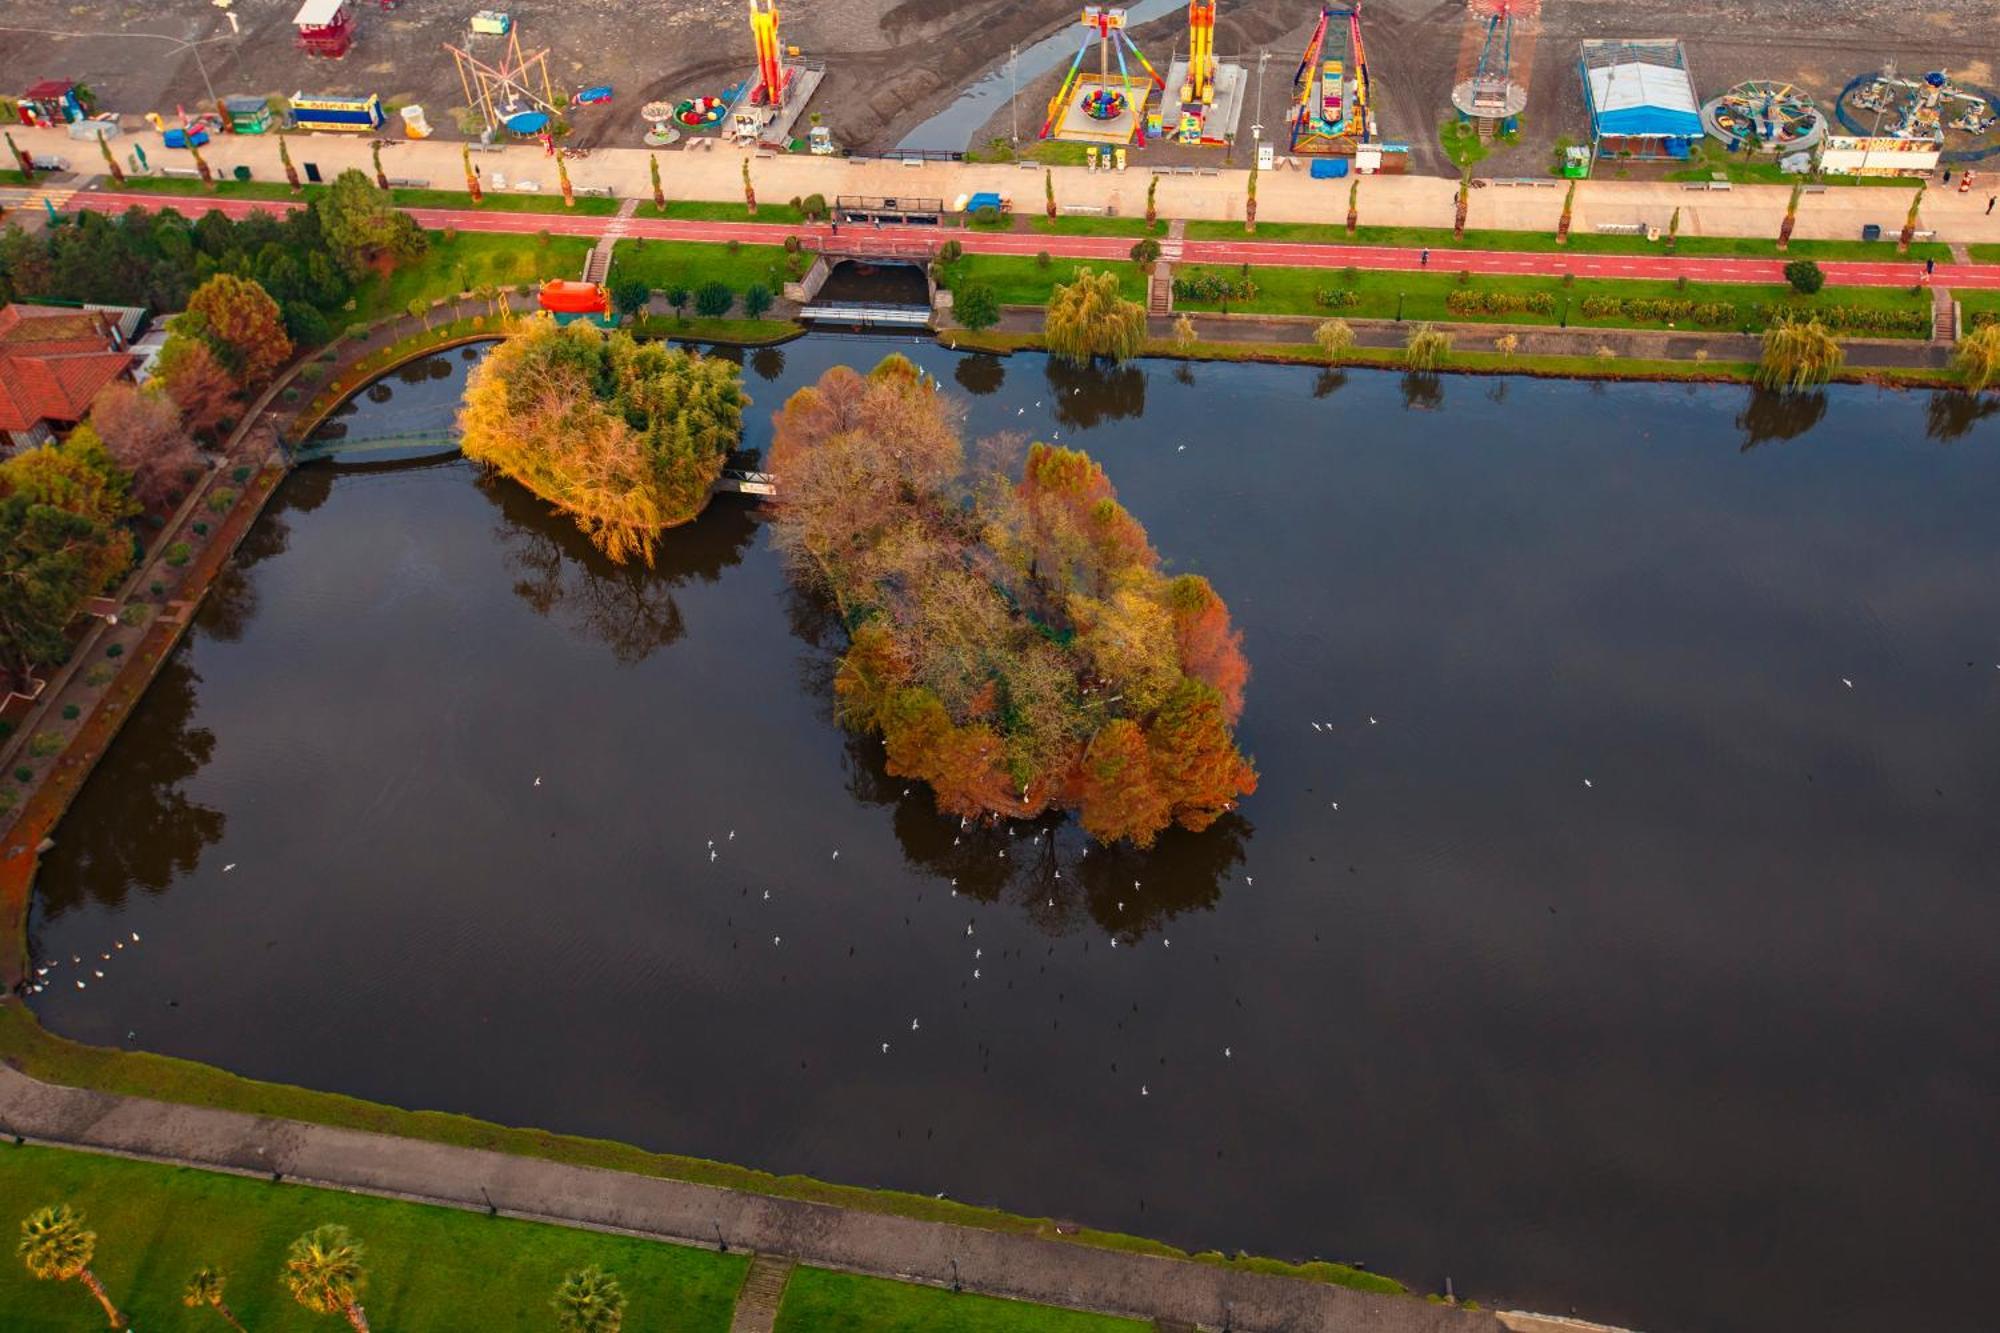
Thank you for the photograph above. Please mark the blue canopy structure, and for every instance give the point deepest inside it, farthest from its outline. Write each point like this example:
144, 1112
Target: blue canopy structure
1641, 98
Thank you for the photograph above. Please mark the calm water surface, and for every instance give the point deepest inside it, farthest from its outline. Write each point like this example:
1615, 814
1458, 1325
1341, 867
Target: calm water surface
1645, 965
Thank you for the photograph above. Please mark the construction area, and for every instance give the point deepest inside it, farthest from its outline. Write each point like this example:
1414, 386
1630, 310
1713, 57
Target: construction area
1181, 81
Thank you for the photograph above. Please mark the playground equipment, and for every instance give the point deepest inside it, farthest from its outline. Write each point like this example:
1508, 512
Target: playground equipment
52, 102
1920, 108
415, 124
1495, 57
248, 115
1330, 111
326, 28
570, 301
515, 94
1764, 115
1092, 108
701, 112
656, 115
767, 105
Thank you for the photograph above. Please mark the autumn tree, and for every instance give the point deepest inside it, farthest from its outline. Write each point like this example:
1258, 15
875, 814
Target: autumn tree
196, 382
62, 510
142, 431
1200, 770
627, 438
1211, 651
1088, 318
1122, 796
242, 325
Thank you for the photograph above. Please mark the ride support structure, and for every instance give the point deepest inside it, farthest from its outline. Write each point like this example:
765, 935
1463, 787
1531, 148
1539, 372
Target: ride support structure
1103, 111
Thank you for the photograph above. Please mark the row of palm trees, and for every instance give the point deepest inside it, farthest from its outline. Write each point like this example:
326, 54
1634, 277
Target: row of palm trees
323, 1270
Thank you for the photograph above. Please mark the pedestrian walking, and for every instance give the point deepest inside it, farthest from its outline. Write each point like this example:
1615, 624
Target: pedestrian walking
1424, 259
1991, 200
1930, 267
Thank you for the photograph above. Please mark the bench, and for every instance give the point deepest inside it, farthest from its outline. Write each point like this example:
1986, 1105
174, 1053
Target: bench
408, 183
1620, 229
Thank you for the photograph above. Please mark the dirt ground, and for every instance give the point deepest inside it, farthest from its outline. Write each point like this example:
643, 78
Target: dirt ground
891, 63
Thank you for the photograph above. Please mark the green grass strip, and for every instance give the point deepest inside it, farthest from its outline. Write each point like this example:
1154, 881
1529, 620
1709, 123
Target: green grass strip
428, 1267
1580, 242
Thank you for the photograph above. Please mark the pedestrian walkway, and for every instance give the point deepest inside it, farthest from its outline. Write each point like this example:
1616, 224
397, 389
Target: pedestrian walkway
763, 1291
1021, 1266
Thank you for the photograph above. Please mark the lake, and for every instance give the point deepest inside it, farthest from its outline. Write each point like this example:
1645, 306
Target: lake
1614, 926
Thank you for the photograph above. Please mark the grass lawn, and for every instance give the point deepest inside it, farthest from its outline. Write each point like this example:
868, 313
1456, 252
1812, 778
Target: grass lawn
428, 1268
1461, 144
589, 205
1977, 301
1081, 226
1981, 254
1021, 279
12, 176
1291, 291
819, 1301
468, 260
1544, 242
711, 210
663, 265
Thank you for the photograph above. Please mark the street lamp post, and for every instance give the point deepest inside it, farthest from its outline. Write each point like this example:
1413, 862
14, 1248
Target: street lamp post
1014, 94
954, 1275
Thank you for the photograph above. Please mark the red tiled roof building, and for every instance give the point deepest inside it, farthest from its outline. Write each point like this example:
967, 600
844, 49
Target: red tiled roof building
52, 363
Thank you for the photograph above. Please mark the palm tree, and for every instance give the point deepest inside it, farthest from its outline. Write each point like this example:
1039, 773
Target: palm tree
1353, 205
1791, 218
1910, 222
204, 1287
1464, 201
1673, 229
323, 1272
749, 190
1250, 200
104, 147
471, 176
1049, 190
22, 160
589, 1301
201, 164
381, 177
55, 1245
659, 195
1152, 189
562, 178
291, 172
1562, 223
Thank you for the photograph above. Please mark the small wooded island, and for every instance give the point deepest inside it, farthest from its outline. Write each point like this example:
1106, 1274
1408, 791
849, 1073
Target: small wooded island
625, 437
1013, 641
1012, 637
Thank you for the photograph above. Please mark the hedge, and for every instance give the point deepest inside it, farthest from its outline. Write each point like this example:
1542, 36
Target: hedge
1337, 298
1214, 287
1468, 302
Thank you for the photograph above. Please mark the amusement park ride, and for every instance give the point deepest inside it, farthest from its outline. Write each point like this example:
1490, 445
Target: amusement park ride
770, 102
1096, 109
1203, 99
1330, 113
1764, 115
1921, 108
1495, 57
514, 94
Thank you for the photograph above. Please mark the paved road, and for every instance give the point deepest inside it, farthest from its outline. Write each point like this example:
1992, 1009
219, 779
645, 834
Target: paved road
1698, 269
1026, 1267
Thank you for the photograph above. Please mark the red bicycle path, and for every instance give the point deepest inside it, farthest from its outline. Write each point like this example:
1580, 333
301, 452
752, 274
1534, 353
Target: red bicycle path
1535, 263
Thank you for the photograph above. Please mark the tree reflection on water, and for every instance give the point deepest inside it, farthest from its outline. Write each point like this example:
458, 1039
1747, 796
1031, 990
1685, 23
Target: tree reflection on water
158, 833
1087, 396
1773, 415
629, 608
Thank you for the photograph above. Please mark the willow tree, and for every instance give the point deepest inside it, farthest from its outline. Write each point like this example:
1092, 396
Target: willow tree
1087, 318
625, 437
1977, 358
1798, 354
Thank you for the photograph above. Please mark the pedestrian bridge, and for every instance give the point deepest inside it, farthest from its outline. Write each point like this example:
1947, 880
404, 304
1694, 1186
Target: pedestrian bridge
867, 314
418, 446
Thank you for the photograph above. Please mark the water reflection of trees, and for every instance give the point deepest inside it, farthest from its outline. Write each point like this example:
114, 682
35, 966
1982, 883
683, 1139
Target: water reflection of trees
231, 603
148, 832
768, 362
980, 373
1423, 391
1773, 415
1952, 412
1098, 392
1329, 382
1052, 872
629, 608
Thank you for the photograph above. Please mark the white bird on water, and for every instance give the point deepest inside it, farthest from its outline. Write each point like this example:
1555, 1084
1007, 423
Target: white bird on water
767, 895
231, 866
1334, 804
538, 780
1316, 726
1848, 683
913, 1025
776, 940
1226, 1054
1586, 782
1144, 1091
1371, 722
732, 835
135, 937
1180, 449
836, 854
885, 1048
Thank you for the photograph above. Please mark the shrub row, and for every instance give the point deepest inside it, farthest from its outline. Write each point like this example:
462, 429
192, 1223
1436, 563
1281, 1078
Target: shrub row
1855, 319
1468, 302
1337, 298
1710, 314
1214, 287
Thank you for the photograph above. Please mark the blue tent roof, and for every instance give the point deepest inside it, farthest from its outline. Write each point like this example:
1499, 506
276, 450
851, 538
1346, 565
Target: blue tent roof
1649, 121
1640, 89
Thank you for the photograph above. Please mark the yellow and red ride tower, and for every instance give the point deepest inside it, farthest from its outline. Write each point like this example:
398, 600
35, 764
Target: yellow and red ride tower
1199, 88
772, 76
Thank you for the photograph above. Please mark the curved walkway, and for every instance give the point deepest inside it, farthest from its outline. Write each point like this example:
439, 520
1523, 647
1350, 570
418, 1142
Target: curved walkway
1705, 268
1051, 1272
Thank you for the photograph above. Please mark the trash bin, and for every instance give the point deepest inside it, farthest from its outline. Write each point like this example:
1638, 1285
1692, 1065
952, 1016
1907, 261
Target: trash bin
241, 173
1871, 231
